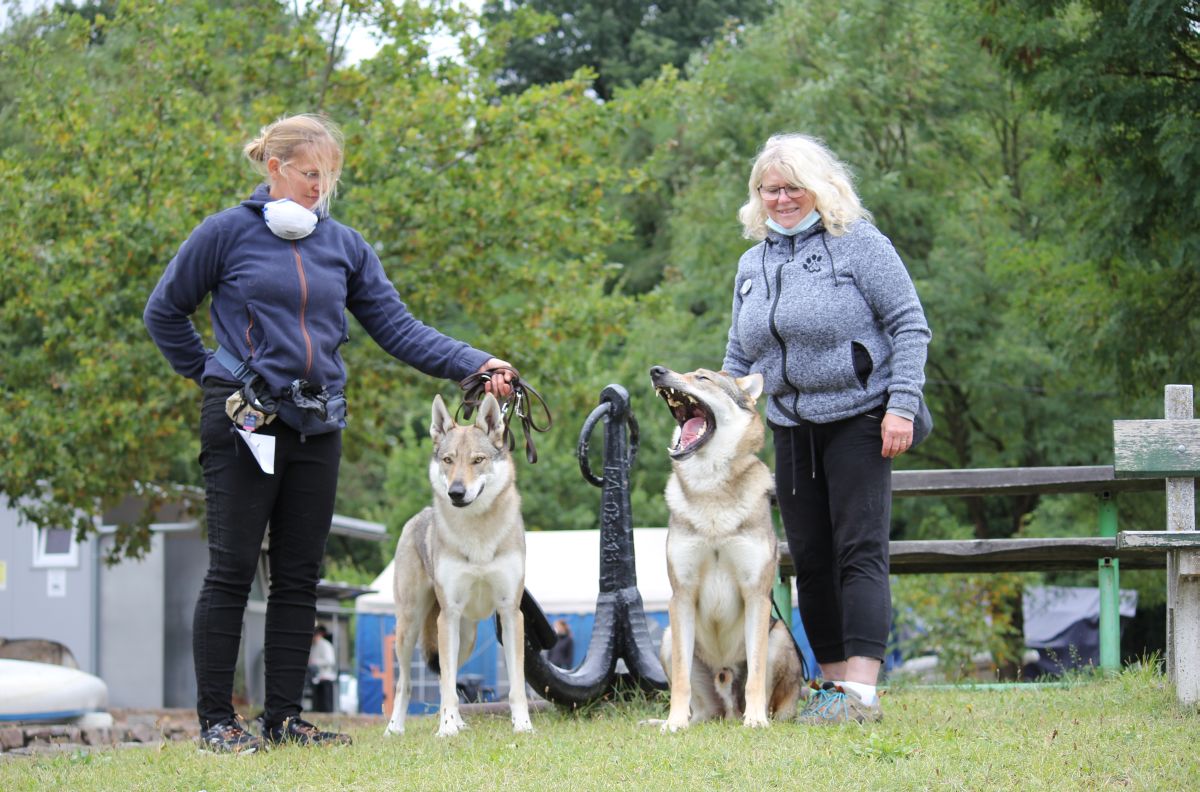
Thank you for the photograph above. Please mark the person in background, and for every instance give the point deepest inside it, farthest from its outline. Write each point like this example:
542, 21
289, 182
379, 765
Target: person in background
825, 310
562, 654
322, 670
281, 273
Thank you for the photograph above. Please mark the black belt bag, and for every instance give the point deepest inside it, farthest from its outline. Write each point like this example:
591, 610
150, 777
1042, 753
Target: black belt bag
316, 402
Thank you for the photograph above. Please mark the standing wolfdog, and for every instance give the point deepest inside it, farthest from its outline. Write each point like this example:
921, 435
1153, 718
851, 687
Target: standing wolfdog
724, 658
459, 561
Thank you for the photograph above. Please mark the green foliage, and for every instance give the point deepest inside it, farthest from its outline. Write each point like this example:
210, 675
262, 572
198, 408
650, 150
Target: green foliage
1124, 81
624, 42
950, 158
117, 148
957, 617
484, 209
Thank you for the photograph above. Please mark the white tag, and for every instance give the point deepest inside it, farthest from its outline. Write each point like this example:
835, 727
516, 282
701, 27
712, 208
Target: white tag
56, 582
746, 284
263, 448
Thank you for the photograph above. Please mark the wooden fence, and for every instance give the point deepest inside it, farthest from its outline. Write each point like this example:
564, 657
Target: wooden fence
1159, 455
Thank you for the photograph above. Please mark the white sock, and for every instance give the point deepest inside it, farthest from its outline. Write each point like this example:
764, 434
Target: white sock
865, 692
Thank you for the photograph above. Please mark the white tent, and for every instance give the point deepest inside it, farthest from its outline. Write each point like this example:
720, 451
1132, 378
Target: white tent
562, 572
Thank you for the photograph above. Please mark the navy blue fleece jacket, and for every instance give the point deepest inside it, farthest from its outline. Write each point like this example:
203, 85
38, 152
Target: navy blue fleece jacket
833, 323
280, 305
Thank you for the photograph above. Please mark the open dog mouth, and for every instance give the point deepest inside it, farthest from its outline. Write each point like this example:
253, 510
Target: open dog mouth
696, 422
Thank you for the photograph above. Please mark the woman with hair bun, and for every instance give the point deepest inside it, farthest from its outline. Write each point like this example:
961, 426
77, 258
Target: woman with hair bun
824, 309
281, 272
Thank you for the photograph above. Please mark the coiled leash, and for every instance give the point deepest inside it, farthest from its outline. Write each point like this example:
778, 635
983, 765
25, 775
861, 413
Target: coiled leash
522, 401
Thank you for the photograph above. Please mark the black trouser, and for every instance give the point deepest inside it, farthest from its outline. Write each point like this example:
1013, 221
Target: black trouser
297, 502
837, 524
322, 695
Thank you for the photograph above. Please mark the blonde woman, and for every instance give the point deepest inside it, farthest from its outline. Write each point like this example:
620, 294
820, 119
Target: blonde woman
281, 272
825, 310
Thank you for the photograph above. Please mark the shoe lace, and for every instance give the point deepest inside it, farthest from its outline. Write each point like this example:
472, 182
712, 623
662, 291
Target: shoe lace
301, 726
828, 704
230, 728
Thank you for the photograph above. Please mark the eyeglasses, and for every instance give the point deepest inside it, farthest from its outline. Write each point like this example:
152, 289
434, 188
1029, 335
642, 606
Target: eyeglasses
773, 193
312, 176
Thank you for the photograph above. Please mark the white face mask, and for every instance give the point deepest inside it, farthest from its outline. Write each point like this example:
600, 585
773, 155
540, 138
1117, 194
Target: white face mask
288, 219
803, 225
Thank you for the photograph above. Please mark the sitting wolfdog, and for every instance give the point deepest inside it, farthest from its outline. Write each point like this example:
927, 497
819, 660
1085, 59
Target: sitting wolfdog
724, 658
460, 560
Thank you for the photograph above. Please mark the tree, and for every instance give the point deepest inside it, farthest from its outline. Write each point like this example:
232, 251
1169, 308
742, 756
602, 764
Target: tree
954, 164
1124, 79
113, 148
623, 42
116, 150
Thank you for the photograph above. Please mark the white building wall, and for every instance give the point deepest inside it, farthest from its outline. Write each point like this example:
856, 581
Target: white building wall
53, 603
132, 605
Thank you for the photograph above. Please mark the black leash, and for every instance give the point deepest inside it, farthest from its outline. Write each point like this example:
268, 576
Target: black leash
804, 670
519, 402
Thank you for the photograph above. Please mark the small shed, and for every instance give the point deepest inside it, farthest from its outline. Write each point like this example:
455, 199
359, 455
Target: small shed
131, 624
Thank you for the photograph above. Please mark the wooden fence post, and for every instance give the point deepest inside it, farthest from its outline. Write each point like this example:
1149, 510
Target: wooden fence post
1171, 448
1183, 570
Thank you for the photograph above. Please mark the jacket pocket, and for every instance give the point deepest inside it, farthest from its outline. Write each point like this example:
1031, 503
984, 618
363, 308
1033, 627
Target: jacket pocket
863, 365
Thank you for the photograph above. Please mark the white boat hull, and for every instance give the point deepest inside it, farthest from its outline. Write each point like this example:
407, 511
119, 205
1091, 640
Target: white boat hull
45, 692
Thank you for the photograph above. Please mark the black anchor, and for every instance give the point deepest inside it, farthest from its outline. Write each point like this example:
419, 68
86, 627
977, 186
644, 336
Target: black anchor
619, 631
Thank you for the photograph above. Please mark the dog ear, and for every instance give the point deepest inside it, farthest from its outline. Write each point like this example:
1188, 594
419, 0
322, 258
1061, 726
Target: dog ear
751, 385
442, 421
491, 420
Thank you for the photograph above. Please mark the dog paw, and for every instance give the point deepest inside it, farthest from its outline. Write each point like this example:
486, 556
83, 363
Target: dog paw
754, 722
522, 726
393, 729
449, 729
673, 725
452, 724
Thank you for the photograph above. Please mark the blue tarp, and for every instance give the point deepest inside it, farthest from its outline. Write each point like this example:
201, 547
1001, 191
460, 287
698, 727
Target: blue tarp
374, 635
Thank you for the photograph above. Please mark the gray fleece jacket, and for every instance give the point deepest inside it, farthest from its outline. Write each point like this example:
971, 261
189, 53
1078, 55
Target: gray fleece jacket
833, 323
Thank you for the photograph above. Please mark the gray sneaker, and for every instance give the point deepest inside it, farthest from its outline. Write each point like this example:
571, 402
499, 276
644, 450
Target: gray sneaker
832, 704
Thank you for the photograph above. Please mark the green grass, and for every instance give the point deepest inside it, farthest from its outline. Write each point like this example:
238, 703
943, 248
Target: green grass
1123, 732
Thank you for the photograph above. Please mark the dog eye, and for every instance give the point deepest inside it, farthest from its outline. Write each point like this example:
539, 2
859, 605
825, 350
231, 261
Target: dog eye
479, 460
449, 460
702, 378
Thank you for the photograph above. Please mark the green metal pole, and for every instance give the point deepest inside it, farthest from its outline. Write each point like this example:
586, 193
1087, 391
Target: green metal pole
783, 598
782, 590
1110, 588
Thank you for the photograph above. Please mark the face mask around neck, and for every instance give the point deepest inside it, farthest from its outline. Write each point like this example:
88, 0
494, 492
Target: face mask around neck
803, 225
288, 219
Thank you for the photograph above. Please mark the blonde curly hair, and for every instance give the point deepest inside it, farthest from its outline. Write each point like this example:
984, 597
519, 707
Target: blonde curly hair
807, 162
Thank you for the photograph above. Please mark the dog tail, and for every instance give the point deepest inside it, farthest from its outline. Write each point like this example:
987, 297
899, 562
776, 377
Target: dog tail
723, 685
429, 642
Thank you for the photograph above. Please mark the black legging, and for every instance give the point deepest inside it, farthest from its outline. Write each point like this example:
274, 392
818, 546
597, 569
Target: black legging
241, 500
837, 524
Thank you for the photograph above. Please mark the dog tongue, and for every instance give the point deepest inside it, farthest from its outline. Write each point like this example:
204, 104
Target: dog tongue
692, 431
